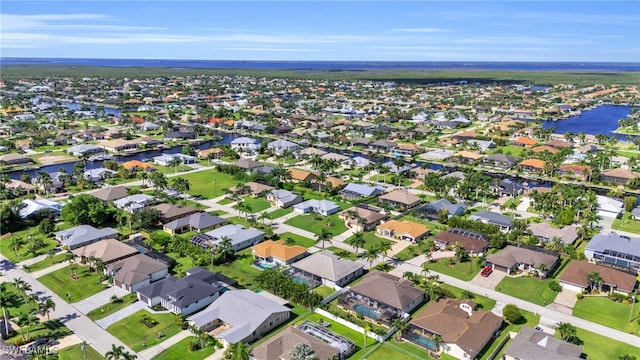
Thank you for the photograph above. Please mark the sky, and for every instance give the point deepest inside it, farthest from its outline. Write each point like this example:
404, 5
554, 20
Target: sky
542, 31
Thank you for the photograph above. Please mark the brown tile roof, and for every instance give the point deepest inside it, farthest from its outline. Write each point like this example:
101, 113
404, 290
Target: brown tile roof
621, 173
132, 164
534, 163
135, 269
112, 193
559, 144
576, 274
370, 216
454, 325
402, 197
172, 211
469, 241
278, 249
512, 255
106, 250
525, 141
279, 347
405, 227
543, 148
575, 168
469, 155
301, 175
387, 289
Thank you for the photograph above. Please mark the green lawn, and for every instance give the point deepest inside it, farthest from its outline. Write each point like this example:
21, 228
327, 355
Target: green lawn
202, 183
110, 308
279, 213
138, 336
463, 271
483, 302
608, 313
434, 226
403, 350
171, 169
528, 288
60, 282
372, 241
627, 224
226, 201
343, 253
75, 352
600, 347
315, 223
342, 330
310, 194
390, 179
300, 240
509, 150
52, 329
43, 264
181, 351
323, 291
240, 269
241, 220
257, 204
25, 252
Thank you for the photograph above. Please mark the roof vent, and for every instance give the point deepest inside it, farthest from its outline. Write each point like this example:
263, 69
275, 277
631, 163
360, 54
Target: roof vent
466, 308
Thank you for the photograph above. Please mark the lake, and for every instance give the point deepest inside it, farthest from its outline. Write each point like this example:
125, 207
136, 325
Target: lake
601, 120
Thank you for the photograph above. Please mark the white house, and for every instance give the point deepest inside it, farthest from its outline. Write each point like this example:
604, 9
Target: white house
322, 207
245, 144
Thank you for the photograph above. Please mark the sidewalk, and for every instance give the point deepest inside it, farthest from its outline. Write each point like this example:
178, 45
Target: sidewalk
155, 350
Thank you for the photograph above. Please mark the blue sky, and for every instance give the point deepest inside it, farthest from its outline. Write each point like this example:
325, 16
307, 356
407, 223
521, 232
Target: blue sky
328, 30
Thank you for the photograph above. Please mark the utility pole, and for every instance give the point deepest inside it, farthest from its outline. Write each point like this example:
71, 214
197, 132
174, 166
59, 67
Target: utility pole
83, 347
633, 297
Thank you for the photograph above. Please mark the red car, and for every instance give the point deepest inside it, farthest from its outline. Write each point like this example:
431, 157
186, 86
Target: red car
486, 271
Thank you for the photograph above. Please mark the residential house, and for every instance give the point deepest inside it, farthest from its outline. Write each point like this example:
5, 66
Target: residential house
280, 346
513, 258
136, 272
576, 278
322, 207
256, 189
134, 203
111, 193
107, 250
507, 187
281, 145
275, 253
532, 165
500, 161
185, 295
239, 237
400, 200
335, 156
180, 135
481, 145
383, 145
471, 242
489, 217
544, 149
212, 153
19, 186
559, 144
81, 235
382, 297
358, 162
403, 230
197, 222
463, 330
608, 207
98, 174
169, 212
409, 149
302, 176
172, 159
615, 250
84, 149
245, 144
310, 151
247, 164
14, 159
467, 157
433, 209
535, 344
618, 176
362, 218
35, 206
283, 198
545, 232
523, 142
355, 191
398, 170
137, 165
325, 268
575, 171
240, 315
119, 145
362, 142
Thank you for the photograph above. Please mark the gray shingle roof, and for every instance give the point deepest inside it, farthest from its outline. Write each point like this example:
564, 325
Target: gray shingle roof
615, 242
532, 344
492, 218
327, 265
83, 234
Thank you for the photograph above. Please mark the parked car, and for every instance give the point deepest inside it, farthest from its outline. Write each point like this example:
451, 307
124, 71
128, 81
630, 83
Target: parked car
486, 271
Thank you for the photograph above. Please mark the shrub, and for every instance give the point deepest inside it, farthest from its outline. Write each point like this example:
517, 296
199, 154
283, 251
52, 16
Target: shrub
512, 314
555, 286
617, 297
580, 296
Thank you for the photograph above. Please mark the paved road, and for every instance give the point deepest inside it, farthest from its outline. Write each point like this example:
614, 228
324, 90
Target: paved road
544, 312
97, 337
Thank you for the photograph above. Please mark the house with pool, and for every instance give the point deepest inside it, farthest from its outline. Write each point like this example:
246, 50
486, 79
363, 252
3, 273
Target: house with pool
325, 268
273, 254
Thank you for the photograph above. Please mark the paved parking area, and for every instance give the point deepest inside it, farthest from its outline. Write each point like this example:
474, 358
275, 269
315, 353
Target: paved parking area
121, 314
490, 281
565, 301
99, 299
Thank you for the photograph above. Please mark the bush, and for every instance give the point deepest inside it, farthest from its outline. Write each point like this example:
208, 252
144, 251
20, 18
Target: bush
555, 286
512, 314
617, 297
580, 296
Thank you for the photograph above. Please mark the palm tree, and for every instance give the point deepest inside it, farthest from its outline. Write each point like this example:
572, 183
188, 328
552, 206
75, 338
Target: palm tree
44, 180
237, 351
16, 243
224, 247
324, 237
28, 322
7, 299
181, 184
263, 216
47, 306
437, 341
115, 353
595, 280
371, 255
566, 330
21, 286
358, 241
158, 180
384, 248
128, 356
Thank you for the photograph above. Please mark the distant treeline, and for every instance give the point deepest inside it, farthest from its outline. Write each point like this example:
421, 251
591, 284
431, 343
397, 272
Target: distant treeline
401, 76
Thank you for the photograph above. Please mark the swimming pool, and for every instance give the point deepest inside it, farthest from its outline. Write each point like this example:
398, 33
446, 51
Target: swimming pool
266, 265
365, 311
422, 341
299, 279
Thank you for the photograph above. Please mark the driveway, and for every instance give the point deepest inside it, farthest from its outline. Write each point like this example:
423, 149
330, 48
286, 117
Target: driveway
99, 299
565, 301
490, 281
121, 314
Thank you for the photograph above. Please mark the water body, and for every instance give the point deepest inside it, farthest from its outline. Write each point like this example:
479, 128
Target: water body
601, 120
328, 65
